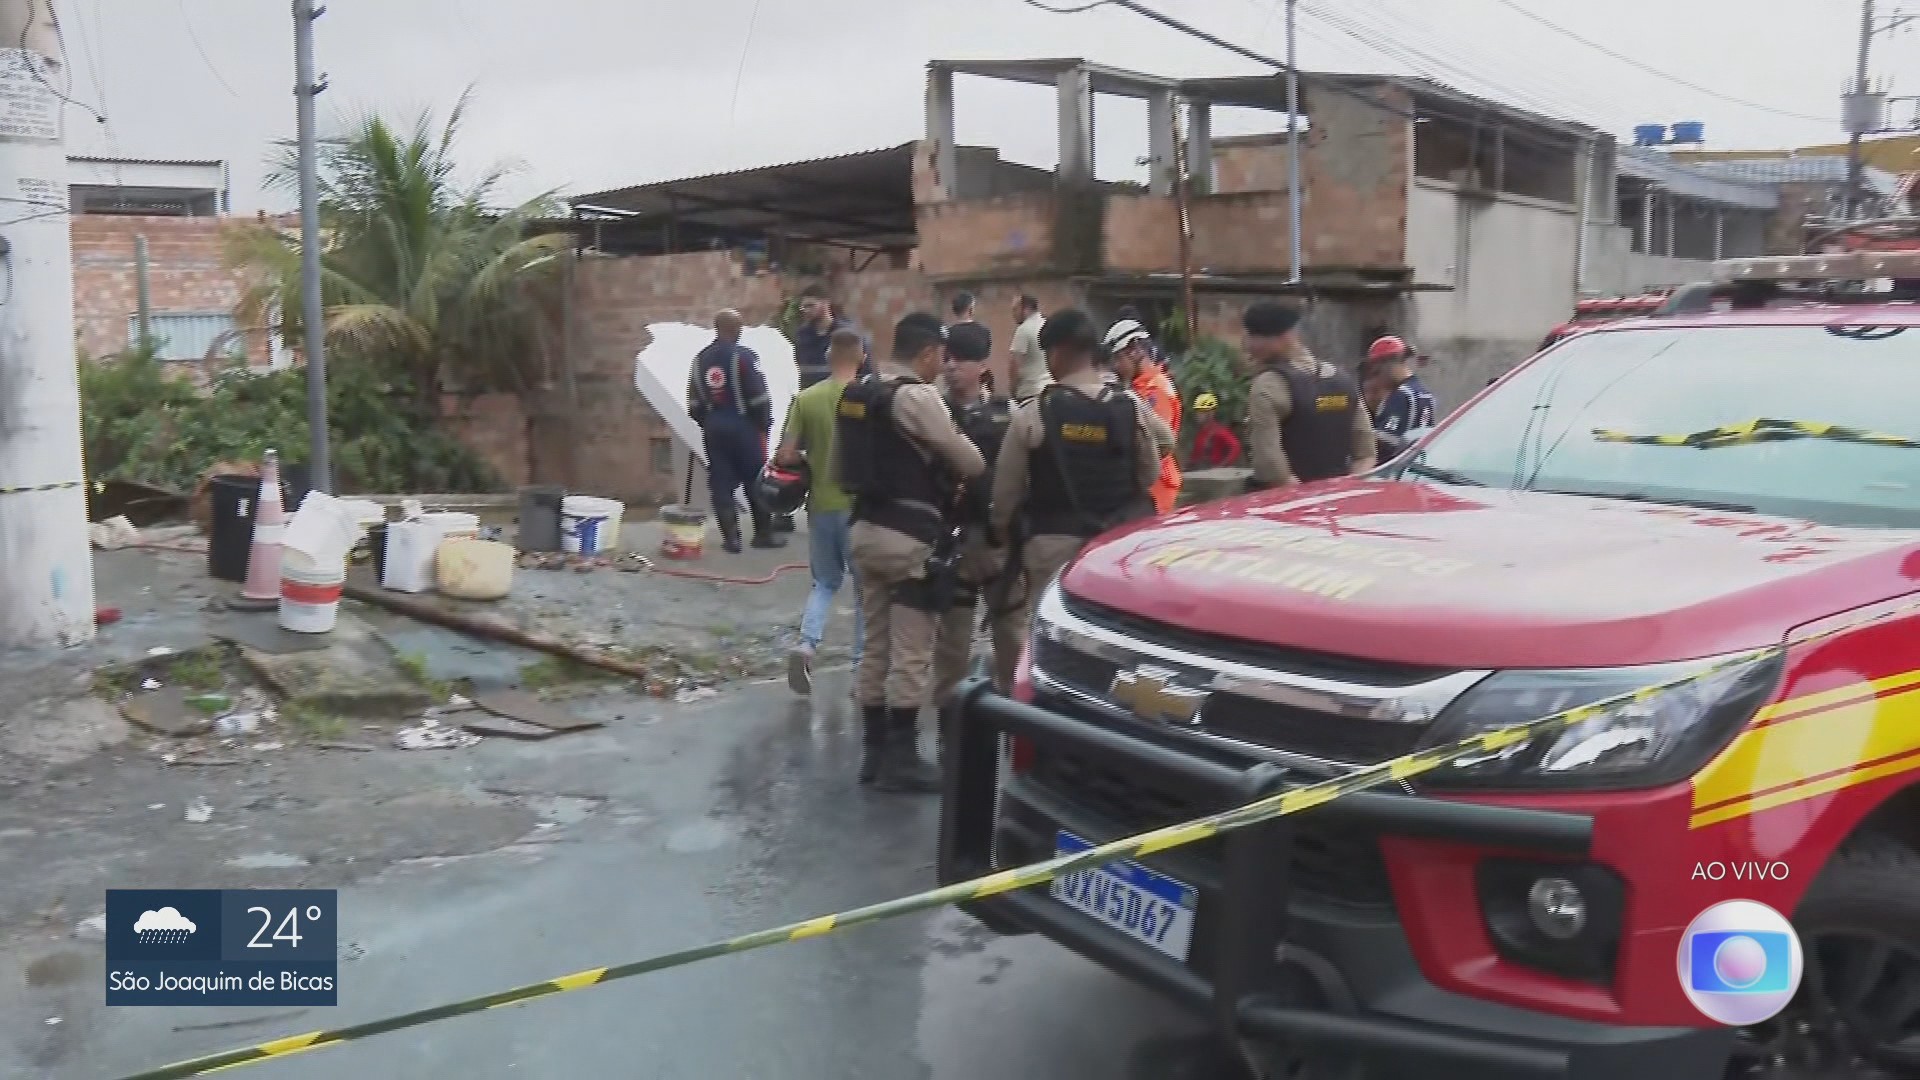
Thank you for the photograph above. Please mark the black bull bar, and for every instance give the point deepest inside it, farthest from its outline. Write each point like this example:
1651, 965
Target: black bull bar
1242, 995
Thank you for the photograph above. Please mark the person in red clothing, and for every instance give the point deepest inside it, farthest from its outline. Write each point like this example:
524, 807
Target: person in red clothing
1214, 444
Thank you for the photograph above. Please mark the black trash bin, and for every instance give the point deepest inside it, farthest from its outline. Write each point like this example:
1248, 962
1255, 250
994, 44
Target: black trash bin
540, 518
295, 482
236, 503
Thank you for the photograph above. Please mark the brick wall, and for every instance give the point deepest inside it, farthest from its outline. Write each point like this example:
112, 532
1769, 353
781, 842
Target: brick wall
1142, 233
1242, 233
1356, 166
185, 274
1250, 163
1010, 234
494, 426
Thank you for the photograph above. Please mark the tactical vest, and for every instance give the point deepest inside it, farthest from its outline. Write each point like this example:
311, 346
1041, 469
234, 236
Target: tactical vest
984, 424
1318, 432
893, 482
1084, 478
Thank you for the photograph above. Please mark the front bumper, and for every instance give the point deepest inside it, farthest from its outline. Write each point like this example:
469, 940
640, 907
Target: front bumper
1269, 961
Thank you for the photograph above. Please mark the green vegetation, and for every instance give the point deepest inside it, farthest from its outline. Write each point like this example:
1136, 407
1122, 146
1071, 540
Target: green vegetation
415, 667
427, 287
553, 671
201, 669
1211, 366
312, 721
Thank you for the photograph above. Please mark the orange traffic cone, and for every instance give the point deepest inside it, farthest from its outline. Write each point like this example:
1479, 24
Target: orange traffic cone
269, 520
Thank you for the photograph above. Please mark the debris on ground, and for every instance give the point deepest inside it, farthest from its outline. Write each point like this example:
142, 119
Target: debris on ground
690, 694
113, 534
166, 711
199, 811
93, 928
430, 734
524, 707
480, 722
237, 723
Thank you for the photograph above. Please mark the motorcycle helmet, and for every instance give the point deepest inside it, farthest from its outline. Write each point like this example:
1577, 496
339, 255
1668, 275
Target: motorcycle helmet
783, 490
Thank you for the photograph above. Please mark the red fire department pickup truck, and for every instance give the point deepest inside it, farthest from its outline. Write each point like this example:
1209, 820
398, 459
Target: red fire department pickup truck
1639, 501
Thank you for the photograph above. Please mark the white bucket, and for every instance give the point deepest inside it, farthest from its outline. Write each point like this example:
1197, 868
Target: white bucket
310, 593
588, 525
324, 529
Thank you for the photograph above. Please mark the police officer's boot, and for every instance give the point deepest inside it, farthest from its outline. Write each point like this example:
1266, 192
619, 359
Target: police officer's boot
729, 521
873, 740
764, 535
902, 770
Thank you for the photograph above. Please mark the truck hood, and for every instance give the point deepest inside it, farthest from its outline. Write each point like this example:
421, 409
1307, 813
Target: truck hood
1418, 573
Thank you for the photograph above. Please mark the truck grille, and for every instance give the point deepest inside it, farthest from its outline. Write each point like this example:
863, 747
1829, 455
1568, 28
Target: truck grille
1352, 740
1329, 861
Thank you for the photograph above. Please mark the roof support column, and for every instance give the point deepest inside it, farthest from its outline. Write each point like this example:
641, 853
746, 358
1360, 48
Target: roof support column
1076, 126
940, 135
1160, 148
1200, 147
1719, 232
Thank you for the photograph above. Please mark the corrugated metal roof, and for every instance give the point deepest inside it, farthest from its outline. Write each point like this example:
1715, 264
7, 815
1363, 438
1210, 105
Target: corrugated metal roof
1822, 169
857, 156
90, 160
1687, 179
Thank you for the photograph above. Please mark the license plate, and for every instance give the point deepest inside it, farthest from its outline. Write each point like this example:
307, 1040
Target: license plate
1146, 906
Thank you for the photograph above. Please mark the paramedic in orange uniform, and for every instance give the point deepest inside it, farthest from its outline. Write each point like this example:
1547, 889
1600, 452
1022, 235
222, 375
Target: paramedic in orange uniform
1131, 349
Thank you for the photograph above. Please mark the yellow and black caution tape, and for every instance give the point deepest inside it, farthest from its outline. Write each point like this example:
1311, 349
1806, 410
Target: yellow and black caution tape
60, 486
1754, 431
1282, 804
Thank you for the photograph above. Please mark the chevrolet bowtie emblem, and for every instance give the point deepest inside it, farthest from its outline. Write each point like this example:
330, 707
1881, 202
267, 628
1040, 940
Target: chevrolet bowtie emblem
1152, 694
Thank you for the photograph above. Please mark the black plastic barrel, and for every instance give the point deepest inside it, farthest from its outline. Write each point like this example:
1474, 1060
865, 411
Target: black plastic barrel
377, 543
236, 502
540, 518
295, 482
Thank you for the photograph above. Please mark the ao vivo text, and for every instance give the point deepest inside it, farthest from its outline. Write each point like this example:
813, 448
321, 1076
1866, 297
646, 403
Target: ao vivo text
1740, 871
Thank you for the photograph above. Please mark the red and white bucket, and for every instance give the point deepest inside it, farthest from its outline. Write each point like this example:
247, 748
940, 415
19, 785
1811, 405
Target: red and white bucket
310, 593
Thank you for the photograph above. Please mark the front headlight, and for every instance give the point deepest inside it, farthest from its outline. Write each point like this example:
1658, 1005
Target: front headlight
1665, 738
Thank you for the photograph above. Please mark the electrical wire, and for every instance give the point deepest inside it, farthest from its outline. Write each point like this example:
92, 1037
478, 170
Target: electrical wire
1511, 5
740, 72
194, 36
30, 58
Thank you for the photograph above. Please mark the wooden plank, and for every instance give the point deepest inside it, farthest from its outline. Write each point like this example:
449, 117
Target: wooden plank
522, 706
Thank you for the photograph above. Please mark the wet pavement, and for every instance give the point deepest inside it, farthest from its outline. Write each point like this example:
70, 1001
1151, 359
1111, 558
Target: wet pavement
672, 826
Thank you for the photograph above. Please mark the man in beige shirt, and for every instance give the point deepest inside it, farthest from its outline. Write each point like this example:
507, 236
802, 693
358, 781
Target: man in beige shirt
1027, 363
1305, 419
898, 453
1078, 461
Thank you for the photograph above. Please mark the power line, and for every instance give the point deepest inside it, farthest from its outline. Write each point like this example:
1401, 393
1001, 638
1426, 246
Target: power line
740, 72
201, 49
1654, 71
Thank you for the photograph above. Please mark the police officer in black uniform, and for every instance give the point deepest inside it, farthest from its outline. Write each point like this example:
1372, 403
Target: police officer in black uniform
1077, 460
898, 453
727, 396
983, 419
1305, 418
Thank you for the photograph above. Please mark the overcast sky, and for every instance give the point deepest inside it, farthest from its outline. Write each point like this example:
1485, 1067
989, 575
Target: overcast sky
594, 94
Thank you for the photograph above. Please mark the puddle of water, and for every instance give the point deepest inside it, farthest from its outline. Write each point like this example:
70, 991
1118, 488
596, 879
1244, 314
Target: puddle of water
55, 969
267, 860
707, 834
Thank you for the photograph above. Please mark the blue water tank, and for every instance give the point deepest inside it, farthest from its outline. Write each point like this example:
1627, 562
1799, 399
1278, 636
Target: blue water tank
1690, 132
1649, 134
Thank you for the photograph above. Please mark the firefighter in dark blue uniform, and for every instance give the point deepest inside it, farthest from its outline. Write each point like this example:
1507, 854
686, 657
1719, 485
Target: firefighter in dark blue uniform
727, 396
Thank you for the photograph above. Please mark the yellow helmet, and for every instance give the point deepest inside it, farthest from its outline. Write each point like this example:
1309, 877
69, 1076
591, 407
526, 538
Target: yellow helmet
1204, 402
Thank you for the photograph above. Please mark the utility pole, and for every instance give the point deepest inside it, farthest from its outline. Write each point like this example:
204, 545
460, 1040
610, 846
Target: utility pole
1293, 146
1856, 120
312, 317
46, 560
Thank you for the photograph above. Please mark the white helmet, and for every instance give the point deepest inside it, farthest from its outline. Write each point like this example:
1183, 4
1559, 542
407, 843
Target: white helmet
1124, 333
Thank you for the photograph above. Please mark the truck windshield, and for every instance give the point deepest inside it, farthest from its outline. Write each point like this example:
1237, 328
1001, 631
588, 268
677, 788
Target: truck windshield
1625, 414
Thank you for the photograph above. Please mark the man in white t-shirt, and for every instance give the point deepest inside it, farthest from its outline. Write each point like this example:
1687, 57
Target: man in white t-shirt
1028, 362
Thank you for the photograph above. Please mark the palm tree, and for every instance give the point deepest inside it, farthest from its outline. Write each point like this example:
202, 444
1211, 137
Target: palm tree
422, 276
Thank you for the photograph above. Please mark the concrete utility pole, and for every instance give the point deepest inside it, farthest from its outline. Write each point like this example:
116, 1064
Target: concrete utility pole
305, 90
1856, 125
46, 563
1293, 145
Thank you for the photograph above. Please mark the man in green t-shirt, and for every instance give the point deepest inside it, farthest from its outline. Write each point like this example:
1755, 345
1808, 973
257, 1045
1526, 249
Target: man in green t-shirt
808, 437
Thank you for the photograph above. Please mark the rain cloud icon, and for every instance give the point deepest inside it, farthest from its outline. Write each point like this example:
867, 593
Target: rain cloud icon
164, 927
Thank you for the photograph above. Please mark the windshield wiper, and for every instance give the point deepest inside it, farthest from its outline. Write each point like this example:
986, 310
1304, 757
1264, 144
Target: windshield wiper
1445, 476
1644, 497
1755, 431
